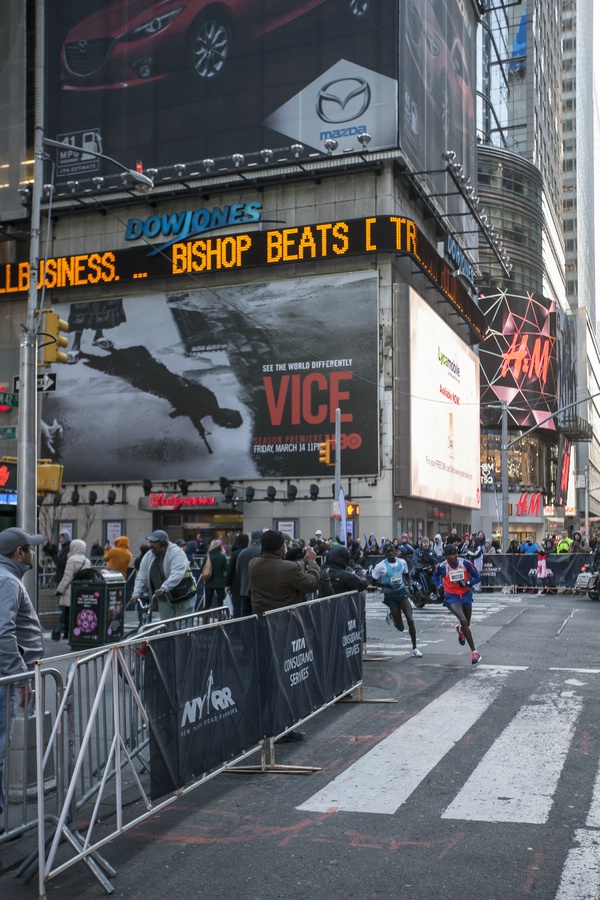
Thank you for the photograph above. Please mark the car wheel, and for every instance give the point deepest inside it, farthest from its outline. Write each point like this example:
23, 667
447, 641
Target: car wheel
211, 46
359, 8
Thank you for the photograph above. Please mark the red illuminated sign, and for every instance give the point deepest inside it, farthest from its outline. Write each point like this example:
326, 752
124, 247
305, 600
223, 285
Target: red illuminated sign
529, 504
175, 501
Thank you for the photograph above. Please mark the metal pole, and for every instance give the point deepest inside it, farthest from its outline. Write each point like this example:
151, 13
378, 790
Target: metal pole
338, 453
587, 503
27, 434
504, 476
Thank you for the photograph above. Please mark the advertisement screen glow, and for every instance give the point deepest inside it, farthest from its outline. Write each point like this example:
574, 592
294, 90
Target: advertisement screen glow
444, 427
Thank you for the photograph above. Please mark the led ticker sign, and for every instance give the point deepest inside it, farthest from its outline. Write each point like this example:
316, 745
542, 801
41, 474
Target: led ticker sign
251, 249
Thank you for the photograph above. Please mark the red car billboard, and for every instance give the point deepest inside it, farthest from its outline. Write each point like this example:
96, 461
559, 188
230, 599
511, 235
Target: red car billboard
177, 81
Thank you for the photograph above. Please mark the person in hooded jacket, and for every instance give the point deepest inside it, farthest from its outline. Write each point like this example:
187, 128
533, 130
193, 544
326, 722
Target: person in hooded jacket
438, 547
76, 561
119, 556
338, 575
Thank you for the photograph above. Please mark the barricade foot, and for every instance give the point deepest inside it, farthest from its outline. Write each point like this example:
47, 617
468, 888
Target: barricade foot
360, 698
270, 767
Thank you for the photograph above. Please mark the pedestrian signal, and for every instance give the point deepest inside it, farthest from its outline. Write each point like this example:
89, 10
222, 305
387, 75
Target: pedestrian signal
352, 510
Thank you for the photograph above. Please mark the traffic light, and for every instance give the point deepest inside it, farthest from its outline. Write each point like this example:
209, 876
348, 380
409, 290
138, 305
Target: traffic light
325, 453
52, 328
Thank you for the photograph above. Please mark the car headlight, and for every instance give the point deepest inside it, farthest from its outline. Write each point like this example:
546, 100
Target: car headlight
152, 26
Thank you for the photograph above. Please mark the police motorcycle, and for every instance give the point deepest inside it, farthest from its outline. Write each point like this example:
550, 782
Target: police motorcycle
588, 579
422, 589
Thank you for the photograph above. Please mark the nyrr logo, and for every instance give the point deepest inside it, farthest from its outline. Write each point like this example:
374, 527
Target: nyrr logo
187, 224
210, 706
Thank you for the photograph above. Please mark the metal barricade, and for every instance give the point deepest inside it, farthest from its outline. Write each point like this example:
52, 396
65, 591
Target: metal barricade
22, 776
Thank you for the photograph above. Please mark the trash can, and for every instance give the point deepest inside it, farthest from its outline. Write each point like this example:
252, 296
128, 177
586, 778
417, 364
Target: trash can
97, 614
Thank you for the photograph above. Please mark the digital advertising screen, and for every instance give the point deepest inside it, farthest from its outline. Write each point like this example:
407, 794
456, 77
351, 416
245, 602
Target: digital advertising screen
444, 411
168, 83
438, 87
12, 108
240, 381
518, 360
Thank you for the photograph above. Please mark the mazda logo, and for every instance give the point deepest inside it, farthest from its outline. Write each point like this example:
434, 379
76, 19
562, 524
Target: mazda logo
82, 45
343, 100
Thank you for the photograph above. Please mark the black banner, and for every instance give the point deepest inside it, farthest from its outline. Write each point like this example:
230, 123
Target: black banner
313, 653
561, 570
213, 694
202, 698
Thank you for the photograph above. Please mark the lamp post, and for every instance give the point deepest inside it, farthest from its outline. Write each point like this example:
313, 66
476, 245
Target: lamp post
27, 433
505, 447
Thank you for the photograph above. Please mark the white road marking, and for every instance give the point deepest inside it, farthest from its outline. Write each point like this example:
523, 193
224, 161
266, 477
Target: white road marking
383, 779
581, 873
593, 819
516, 779
579, 671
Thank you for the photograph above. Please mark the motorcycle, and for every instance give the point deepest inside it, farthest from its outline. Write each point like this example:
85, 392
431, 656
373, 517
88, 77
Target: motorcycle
422, 589
588, 579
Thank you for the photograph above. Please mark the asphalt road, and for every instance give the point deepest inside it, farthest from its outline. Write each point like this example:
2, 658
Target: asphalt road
477, 783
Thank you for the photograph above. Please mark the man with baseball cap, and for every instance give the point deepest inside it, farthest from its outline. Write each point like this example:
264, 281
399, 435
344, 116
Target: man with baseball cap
161, 570
21, 637
277, 582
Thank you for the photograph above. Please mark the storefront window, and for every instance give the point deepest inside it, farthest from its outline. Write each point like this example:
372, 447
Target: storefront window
526, 463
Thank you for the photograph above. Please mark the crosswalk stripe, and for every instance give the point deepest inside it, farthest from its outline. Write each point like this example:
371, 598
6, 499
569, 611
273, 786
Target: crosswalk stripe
383, 779
593, 819
516, 779
581, 873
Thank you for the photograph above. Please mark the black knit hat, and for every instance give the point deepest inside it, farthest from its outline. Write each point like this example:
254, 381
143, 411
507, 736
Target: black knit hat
450, 549
271, 541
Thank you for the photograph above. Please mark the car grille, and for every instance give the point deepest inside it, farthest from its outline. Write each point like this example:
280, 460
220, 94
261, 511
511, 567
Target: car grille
86, 57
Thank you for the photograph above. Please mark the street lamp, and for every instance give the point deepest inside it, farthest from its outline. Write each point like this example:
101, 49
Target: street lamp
27, 433
505, 447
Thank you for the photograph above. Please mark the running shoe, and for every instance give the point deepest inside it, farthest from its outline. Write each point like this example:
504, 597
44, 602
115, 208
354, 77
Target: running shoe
475, 658
417, 652
461, 637
388, 618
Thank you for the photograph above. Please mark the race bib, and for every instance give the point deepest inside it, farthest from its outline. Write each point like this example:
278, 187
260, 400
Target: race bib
457, 575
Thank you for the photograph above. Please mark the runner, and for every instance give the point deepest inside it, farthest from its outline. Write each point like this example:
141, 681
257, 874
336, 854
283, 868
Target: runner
456, 575
391, 571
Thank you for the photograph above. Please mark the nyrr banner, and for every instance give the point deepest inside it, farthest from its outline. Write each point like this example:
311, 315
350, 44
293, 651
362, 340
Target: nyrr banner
202, 698
522, 570
313, 653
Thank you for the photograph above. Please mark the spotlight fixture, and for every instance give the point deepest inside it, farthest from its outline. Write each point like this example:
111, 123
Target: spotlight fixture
48, 190
152, 173
267, 155
92, 497
224, 483
147, 486
330, 145
208, 164
184, 486
179, 169
271, 493
297, 149
364, 139
292, 491
249, 494
98, 181
75, 497
314, 491
229, 494
111, 497
449, 155
73, 186
238, 159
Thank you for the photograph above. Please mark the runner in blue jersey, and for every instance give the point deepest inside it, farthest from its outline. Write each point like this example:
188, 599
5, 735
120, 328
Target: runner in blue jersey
390, 571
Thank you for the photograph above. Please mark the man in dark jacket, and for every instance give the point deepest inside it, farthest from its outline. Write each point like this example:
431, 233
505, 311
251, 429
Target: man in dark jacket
276, 582
338, 576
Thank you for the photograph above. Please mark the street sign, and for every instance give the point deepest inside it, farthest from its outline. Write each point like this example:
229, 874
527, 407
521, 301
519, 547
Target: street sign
8, 433
9, 399
45, 382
